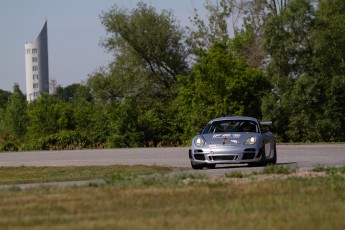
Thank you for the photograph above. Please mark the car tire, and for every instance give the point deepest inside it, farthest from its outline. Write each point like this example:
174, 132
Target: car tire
262, 161
274, 159
196, 166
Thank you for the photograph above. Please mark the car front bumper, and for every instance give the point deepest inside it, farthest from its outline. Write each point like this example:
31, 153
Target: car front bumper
225, 154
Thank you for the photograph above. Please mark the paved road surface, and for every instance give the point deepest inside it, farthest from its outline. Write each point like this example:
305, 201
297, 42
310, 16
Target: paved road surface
304, 156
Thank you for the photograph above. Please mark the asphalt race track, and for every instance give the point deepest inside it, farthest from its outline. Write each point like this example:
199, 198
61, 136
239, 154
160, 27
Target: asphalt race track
302, 156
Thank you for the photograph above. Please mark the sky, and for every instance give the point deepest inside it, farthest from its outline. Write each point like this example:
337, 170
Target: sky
74, 34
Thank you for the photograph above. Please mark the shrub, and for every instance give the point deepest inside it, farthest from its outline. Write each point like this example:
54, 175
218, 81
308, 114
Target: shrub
61, 140
8, 146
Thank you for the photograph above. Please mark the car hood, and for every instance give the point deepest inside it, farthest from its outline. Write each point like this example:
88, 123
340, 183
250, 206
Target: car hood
227, 138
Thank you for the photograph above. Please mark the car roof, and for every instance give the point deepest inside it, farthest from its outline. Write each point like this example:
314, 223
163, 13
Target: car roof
234, 118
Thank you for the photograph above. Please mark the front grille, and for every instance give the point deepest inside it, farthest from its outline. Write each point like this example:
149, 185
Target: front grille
198, 151
250, 150
248, 154
224, 158
200, 157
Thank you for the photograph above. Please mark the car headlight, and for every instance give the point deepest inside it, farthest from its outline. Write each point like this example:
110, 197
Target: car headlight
199, 142
250, 141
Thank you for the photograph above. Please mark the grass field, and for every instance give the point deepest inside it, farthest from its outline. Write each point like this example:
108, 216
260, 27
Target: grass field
276, 200
24, 175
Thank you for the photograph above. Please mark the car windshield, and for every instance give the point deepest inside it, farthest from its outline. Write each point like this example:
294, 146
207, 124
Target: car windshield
229, 126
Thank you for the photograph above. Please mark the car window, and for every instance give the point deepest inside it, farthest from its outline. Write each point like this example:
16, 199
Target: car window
228, 126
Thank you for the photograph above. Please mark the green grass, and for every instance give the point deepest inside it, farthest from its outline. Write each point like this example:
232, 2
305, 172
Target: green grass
330, 170
279, 169
269, 169
183, 201
234, 174
24, 175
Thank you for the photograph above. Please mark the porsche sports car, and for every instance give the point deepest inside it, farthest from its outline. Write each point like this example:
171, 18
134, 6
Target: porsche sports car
233, 140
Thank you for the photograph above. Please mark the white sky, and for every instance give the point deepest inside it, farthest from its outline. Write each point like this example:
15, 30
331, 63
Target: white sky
74, 33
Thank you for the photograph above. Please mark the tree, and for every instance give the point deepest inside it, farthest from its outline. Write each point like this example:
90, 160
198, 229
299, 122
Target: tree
247, 18
107, 87
215, 30
288, 39
16, 113
220, 85
53, 85
4, 98
124, 129
307, 68
74, 92
150, 50
288, 42
329, 36
49, 115
329, 62
146, 43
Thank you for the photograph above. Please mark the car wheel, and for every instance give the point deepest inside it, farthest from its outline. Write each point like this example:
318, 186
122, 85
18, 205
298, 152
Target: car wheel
274, 159
262, 161
196, 166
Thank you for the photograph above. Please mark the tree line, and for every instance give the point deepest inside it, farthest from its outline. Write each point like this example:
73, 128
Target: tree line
285, 62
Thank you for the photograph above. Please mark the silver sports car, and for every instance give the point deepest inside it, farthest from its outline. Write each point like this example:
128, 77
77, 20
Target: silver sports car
233, 140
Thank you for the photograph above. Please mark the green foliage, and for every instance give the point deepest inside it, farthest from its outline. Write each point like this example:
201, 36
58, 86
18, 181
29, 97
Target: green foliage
330, 170
255, 205
306, 46
74, 92
140, 85
328, 37
285, 64
28, 174
4, 98
279, 169
215, 31
15, 115
48, 115
247, 44
61, 140
220, 85
105, 88
8, 146
124, 128
234, 174
152, 41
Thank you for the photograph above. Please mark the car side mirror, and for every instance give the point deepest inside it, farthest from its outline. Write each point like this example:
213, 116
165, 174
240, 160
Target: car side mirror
199, 132
264, 130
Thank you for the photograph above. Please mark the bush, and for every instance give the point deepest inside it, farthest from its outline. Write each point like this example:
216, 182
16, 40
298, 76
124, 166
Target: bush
8, 146
61, 140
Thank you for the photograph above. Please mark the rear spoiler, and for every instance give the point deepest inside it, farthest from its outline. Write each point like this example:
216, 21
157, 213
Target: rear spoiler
266, 122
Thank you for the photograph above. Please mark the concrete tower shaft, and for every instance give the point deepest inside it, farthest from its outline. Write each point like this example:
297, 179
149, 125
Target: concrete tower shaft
37, 66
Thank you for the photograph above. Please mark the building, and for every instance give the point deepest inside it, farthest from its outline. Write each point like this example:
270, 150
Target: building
36, 66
